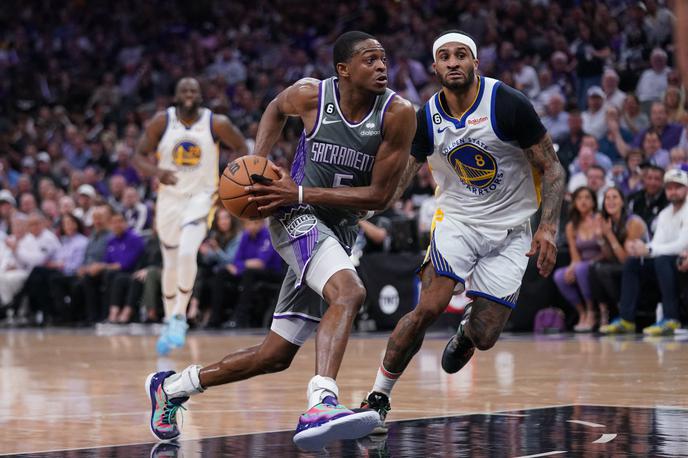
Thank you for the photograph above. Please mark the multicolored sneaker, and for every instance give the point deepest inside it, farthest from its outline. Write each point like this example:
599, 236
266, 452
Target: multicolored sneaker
163, 422
662, 328
379, 402
618, 326
330, 421
176, 333
458, 352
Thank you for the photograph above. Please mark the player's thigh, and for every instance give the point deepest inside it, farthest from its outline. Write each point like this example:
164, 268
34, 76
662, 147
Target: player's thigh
168, 220
298, 311
453, 251
498, 276
332, 275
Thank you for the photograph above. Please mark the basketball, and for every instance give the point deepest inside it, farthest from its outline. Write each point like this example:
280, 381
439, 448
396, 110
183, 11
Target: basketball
235, 177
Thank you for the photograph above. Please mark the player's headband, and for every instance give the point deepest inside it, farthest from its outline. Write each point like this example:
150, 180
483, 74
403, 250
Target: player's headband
454, 37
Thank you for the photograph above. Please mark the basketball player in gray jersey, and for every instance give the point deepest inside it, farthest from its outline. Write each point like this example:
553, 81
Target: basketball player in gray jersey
356, 141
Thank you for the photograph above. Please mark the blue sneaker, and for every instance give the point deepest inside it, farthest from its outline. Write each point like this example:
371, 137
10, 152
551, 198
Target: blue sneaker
163, 422
176, 333
163, 345
330, 421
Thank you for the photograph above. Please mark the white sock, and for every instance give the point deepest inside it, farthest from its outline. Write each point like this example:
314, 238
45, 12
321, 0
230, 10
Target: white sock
385, 380
183, 384
319, 388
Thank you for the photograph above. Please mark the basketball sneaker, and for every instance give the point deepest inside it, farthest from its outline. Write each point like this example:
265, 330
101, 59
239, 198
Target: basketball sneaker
176, 333
618, 326
163, 345
662, 328
379, 402
458, 352
163, 422
330, 421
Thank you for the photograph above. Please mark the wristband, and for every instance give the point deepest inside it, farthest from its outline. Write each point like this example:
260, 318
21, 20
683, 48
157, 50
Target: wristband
300, 194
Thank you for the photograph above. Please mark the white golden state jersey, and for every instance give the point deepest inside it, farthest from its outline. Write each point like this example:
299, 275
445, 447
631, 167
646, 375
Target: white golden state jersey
483, 180
192, 153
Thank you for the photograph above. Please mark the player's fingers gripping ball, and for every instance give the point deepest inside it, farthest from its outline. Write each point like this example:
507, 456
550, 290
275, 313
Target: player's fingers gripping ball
242, 172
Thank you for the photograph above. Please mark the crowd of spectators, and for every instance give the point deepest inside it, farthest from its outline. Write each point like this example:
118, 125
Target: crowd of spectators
81, 79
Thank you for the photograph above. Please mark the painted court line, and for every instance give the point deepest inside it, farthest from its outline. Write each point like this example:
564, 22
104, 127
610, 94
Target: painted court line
586, 423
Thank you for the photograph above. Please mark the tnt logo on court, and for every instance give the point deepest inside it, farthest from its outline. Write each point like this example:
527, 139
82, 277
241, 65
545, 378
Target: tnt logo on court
186, 154
476, 168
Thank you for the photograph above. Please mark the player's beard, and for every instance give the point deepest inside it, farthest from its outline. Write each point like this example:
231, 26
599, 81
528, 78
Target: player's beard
458, 86
189, 112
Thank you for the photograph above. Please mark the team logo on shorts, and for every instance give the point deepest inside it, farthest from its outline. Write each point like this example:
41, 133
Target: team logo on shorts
476, 168
298, 224
186, 154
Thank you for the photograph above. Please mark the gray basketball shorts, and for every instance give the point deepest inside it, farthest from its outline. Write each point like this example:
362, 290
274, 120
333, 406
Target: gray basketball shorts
313, 254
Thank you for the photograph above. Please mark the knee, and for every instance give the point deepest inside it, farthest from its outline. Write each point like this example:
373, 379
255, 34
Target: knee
425, 316
351, 298
483, 335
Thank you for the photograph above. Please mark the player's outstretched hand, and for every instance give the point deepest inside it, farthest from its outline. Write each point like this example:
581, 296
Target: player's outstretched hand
271, 195
544, 244
166, 176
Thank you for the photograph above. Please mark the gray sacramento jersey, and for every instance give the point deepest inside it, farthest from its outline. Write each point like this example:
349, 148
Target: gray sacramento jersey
338, 153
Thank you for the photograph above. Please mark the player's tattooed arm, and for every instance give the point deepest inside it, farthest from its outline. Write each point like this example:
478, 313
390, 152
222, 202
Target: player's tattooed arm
412, 168
143, 159
544, 159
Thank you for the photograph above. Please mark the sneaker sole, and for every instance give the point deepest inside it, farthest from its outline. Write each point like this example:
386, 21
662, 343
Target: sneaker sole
352, 426
150, 425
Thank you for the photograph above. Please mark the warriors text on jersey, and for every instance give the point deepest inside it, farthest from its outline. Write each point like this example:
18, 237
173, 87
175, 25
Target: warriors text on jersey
483, 176
191, 152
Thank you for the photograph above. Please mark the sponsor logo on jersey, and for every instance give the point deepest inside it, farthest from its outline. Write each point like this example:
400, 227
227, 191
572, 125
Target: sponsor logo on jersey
440, 130
369, 133
296, 223
475, 166
186, 154
476, 121
330, 121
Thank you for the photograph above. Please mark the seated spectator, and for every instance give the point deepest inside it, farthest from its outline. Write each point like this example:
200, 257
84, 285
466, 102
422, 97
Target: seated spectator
632, 118
569, 146
584, 240
648, 202
653, 151
123, 165
657, 258
7, 207
597, 182
674, 102
630, 180
602, 160
615, 143
610, 85
13, 272
85, 204
617, 227
653, 81
84, 296
594, 117
255, 261
678, 157
117, 186
216, 252
669, 133
60, 268
135, 212
122, 254
27, 203
556, 120
585, 160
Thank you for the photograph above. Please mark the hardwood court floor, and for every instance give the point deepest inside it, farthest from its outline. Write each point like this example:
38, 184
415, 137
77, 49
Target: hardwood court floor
66, 389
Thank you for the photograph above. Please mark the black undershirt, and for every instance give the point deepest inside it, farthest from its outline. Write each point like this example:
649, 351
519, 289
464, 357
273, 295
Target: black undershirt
516, 121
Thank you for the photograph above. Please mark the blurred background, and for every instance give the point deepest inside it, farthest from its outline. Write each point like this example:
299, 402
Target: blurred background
80, 79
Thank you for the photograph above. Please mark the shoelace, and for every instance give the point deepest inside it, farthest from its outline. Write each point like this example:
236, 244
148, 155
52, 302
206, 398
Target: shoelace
170, 412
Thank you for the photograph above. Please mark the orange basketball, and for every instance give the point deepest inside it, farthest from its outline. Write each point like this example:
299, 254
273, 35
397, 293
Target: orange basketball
235, 177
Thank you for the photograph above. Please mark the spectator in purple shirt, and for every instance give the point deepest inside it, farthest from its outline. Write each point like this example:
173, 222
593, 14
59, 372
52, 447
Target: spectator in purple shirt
256, 263
669, 133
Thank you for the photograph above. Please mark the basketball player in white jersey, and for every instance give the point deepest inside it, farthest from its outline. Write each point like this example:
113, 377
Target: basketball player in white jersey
185, 137
494, 164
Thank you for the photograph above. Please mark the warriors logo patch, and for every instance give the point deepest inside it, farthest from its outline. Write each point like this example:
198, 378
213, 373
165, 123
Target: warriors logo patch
186, 154
475, 167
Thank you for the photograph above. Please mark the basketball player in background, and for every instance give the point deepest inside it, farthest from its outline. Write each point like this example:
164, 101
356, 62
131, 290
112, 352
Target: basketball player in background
492, 159
355, 144
185, 137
